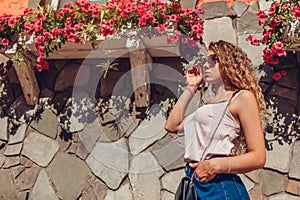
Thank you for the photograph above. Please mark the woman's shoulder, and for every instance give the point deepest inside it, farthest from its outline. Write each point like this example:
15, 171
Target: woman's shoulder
245, 97
245, 94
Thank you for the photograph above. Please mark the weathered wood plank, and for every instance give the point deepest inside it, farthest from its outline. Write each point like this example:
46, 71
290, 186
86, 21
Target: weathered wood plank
28, 82
295, 46
140, 77
112, 48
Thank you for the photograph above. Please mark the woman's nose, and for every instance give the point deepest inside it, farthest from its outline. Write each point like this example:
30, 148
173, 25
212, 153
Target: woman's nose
205, 65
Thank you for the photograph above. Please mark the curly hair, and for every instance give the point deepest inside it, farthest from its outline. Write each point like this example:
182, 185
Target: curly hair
237, 70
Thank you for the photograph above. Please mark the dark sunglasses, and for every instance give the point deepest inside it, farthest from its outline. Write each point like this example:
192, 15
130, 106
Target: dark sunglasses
211, 60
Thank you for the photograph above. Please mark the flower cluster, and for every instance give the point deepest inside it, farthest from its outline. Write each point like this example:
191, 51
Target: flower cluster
280, 28
84, 21
279, 74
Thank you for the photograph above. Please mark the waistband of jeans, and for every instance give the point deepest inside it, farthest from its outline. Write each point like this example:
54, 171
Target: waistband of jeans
213, 156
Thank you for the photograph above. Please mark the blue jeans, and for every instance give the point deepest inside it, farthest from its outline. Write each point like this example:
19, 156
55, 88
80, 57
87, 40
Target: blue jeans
221, 187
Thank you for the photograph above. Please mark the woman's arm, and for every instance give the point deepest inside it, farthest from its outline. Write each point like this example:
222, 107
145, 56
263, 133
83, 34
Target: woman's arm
245, 108
248, 114
175, 120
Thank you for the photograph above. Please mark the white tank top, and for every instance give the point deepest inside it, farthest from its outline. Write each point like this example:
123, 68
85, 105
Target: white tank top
199, 127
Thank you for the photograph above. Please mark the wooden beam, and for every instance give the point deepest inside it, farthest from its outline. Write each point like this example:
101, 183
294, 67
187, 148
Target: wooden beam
295, 46
28, 82
140, 77
112, 48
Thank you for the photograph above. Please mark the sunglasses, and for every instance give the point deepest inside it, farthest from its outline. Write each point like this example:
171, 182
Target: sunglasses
211, 60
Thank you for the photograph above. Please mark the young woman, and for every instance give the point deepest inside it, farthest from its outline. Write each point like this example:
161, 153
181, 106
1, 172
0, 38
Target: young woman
214, 131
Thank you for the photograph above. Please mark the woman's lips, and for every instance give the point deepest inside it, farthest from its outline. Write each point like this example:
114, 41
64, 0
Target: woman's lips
206, 73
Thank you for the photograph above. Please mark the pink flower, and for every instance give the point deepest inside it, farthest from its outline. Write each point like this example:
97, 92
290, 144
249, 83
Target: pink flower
273, 23
55, 32
71, 38
5, 42
161, 28
296, 11
77, 40
267, 56
195, 28
184, 40
253, 40
249, 38
266, 34
283, 72
200, 10
272, 10
142, 21
262, 16
11, 22
47, 35
39, 67
40, 39
175, 38
169, 40
275, 61
276, 76
278, 49
286, 6
174, 18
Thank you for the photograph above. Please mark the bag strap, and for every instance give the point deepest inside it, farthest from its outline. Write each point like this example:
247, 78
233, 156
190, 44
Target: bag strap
211, 139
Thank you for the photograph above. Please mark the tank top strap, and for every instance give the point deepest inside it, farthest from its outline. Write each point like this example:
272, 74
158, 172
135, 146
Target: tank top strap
234, 95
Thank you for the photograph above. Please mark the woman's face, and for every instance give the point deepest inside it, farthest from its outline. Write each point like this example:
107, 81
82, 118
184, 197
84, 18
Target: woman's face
211, 69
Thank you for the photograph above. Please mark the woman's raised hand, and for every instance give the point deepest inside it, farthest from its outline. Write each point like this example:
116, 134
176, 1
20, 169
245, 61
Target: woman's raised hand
194, 77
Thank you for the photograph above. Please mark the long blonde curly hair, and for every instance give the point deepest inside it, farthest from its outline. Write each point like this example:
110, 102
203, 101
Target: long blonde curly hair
237, 68
237, 71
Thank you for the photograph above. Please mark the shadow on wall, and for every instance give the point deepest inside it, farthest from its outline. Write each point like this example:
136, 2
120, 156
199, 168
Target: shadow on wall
280, 84
111, 103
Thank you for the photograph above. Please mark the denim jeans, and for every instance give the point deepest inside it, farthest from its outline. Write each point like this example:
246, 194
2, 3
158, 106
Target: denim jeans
222, 186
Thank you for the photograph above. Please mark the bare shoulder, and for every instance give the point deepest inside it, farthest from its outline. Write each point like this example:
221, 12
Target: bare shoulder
246, 99
246, 95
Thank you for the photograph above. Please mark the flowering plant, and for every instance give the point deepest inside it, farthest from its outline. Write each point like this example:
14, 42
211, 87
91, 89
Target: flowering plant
280, 29
84, 21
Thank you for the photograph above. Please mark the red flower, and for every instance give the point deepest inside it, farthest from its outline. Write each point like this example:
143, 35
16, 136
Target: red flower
161, 28
278, 49
286, 6
47, 35
276, 76
5, 42
184, 40
174, 18
11, 22
275, 61
262, 16
142, 21
273, 23
169, 40
253, 40
272, 10
296, 11
283, 72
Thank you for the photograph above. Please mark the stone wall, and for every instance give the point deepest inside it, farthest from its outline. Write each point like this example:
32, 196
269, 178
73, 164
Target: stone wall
14, 7
86, 140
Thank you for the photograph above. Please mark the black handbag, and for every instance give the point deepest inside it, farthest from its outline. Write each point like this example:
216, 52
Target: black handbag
186, 189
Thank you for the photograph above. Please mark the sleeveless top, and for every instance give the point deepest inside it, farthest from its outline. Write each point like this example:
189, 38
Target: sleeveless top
200, 126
